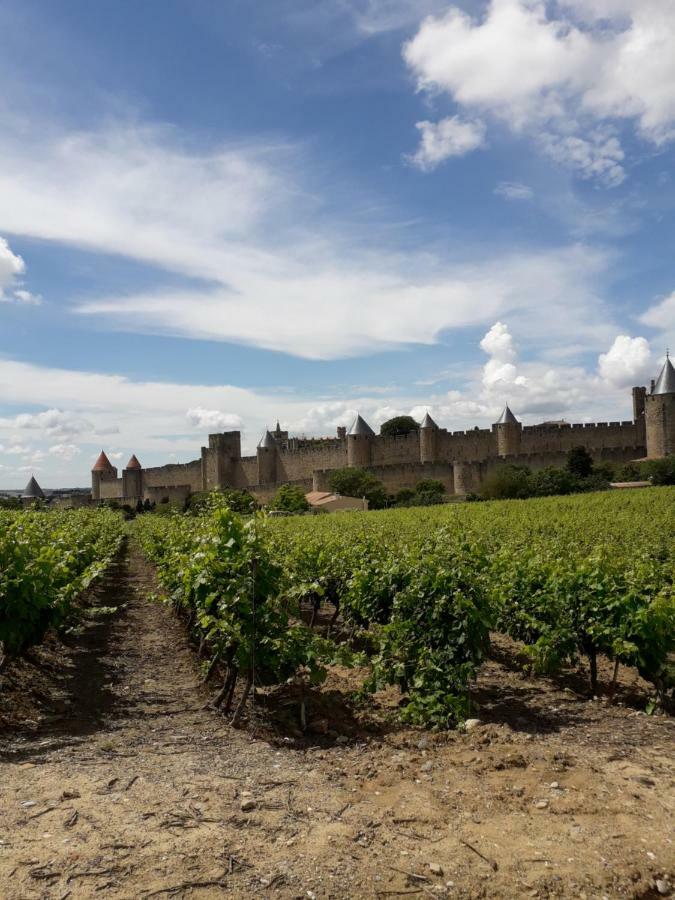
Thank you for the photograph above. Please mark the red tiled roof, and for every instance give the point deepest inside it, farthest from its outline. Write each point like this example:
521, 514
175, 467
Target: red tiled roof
102, 463
133, 463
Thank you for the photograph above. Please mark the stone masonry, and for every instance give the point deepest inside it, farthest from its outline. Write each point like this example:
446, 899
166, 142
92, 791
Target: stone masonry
460, 459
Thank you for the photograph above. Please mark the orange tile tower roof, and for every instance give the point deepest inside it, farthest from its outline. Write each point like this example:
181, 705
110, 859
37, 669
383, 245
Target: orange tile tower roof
102, 463
133, 462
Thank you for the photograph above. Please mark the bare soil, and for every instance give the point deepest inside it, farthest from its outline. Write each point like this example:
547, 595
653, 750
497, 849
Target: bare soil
115, 781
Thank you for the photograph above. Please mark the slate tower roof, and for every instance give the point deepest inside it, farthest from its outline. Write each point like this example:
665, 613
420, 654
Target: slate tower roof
665, 383
507, 417
267, 442
428, 422
33, 491
360, 427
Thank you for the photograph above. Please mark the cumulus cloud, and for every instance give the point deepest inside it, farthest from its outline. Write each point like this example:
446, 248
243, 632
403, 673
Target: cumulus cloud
53, 422
213, 420
514, 190
499, 372
559, 69
441, 140
498, 343
12, 267
627, 361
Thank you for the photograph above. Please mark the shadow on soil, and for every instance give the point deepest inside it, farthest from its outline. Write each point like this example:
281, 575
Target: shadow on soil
67, 684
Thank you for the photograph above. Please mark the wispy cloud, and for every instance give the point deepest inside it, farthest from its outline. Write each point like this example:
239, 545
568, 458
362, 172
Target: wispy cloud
277, 273
514, 190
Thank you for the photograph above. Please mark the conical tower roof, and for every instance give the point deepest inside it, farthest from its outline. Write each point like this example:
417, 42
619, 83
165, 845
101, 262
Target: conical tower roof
134, 463
33, 491
665, 383
428, 422
267, 442
102, 463
507, 417
360, 426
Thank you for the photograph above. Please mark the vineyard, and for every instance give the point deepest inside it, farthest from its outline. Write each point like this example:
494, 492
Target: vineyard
416, 593
46, 562
348, 649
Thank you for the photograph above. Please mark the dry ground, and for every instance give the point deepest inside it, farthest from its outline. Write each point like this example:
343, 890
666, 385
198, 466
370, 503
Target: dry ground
116, 782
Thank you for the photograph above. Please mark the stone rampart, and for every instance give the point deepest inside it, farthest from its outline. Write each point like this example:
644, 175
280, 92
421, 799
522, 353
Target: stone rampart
466, 445
174, 474
391, 450
592, 436
294, 464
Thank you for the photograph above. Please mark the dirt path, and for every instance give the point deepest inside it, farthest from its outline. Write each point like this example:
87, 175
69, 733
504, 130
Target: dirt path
122, 785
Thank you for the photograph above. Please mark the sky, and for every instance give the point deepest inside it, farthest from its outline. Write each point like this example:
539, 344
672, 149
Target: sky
216, 215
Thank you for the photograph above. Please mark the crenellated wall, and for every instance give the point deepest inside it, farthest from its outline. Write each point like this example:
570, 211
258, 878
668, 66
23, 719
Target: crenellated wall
395, 449
174, 474
301, 461
460, 459
595, 436
466, 445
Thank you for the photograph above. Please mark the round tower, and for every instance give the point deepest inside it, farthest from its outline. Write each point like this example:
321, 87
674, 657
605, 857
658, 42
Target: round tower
428, 440
132, 479
267, 459
360, 443
462, 474
660, 413
508, 432
103, 470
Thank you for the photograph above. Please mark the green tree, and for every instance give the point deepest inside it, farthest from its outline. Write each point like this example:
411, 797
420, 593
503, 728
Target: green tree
290, 498
399, 425
579, 462
404, 497
238, 501
507, 483
353, 482
628, 472
661, 471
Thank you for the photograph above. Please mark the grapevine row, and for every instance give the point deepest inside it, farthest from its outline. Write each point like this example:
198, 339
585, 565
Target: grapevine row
46, 561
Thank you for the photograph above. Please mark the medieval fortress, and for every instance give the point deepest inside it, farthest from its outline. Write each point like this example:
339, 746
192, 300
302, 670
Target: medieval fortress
460, 459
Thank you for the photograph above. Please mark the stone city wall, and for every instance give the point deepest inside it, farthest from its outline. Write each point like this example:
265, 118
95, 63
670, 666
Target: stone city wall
301, 463
174, 474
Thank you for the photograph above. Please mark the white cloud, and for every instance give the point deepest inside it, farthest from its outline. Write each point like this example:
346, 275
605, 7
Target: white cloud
213, 420
514, 190
22, 296
376, 16
662, 314
598, 156
65, 451
441, 140
230, 218
561, 69
12, 267
53, 422
498, 343
627, 362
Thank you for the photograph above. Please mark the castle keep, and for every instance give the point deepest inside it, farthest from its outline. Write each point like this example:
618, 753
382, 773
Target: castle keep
460, 459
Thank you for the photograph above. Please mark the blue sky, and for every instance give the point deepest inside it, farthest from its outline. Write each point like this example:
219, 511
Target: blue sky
213, 215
